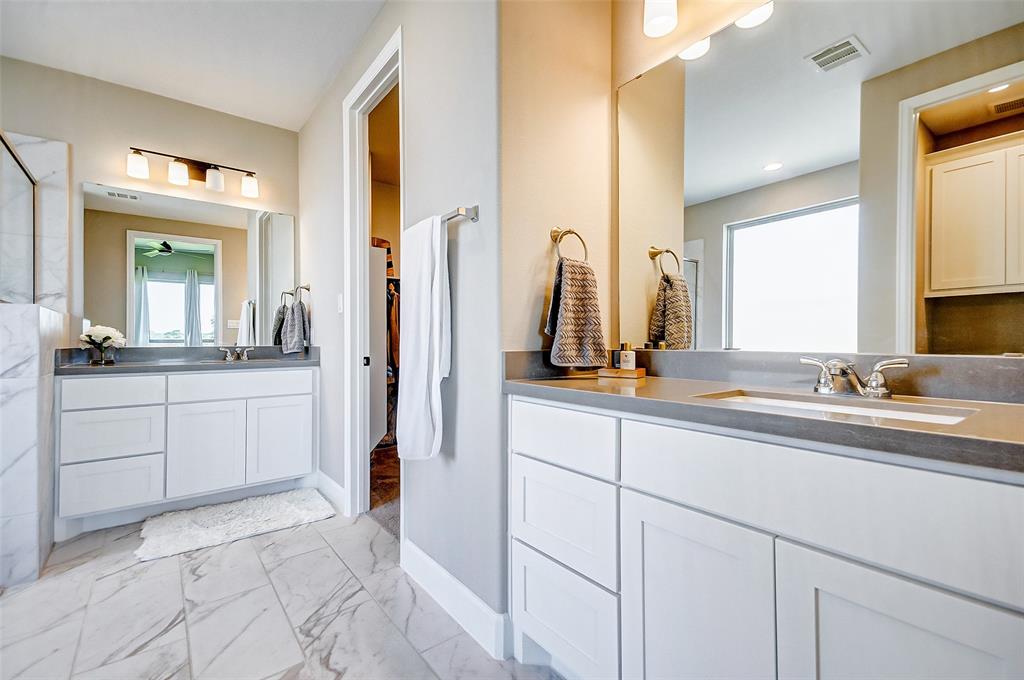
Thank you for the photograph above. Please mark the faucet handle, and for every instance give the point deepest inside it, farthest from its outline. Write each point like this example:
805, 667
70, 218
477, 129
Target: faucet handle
824, 384
243, 352
229, 354
811, 361
890, 363
876, 386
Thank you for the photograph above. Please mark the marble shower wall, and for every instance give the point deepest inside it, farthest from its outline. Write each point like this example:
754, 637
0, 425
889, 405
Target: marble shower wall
29, 337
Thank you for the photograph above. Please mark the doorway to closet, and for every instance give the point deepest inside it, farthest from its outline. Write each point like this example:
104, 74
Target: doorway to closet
384, 290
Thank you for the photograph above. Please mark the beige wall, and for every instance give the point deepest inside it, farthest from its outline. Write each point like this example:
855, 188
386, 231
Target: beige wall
879, 147
650, 200
556, 130
105, 263
101, 120
386, 218
706, 221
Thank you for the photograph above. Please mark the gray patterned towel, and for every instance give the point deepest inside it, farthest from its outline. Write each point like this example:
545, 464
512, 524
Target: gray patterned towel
295, 330
574, 318
672, 318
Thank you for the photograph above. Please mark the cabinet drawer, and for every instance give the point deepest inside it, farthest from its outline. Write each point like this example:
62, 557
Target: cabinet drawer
575, 621
923, 524
111, 433
111, 484
567, 516
128, 390
581, 441
238, 384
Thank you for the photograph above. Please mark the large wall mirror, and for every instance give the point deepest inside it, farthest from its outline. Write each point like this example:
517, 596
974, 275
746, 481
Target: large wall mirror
844, 177
176, 272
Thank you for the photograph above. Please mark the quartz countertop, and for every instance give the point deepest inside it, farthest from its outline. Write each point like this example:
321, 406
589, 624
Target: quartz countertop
170, 360
987, 444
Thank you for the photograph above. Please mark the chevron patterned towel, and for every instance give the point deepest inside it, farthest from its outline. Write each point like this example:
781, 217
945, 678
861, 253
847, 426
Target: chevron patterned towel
672, 318
574, 318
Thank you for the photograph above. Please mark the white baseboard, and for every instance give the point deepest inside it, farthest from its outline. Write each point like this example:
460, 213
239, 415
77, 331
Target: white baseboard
333, 492
489, 628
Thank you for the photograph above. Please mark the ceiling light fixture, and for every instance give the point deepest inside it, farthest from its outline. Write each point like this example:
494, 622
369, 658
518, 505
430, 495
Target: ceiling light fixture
660, 17
136, 165
696, 50
998, 88
181, 170
772, 167
756, 17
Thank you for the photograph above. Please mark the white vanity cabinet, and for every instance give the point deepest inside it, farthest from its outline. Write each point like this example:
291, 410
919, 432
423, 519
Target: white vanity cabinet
135, 440
743, 559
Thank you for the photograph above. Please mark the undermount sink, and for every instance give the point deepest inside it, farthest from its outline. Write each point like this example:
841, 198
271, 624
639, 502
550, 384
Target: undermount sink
893, 409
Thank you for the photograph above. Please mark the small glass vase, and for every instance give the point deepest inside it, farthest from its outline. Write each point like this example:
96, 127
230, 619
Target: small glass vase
95, 356
109, 356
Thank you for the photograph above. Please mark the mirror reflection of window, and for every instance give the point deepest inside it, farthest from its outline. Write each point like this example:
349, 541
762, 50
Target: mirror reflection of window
793, 281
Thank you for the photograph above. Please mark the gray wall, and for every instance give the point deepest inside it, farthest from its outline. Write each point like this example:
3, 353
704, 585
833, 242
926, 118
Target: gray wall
455, 504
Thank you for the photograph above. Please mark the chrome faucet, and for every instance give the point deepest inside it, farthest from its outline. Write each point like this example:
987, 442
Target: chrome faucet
243, 352
836, 376
229, 354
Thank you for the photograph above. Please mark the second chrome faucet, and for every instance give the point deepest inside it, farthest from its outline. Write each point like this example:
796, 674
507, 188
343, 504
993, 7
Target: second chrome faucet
836, 376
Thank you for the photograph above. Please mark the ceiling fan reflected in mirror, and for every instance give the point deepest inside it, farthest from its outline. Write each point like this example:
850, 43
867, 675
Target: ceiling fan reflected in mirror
163, 249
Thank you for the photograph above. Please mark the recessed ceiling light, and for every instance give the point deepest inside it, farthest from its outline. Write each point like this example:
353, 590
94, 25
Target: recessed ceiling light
696, 50
756, 17
772, 167
999, 88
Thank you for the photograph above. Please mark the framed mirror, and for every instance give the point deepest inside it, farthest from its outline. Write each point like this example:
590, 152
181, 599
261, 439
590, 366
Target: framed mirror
843, 177
176, 272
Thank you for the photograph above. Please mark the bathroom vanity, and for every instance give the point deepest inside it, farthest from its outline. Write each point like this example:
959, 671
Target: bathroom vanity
660, 531
146, 433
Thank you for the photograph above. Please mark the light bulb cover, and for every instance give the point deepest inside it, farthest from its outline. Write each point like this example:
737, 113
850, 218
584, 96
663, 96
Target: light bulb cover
757, 16
250, 186
998, 88
696, 50
660, 17
137, 165
214, 179
772, 167
177, 173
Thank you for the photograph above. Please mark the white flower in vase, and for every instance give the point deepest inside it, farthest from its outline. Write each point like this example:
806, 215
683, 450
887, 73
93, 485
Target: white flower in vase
102, 338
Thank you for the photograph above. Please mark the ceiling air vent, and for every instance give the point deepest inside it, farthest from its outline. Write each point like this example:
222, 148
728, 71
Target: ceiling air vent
1007, 107
118, 194
838, 53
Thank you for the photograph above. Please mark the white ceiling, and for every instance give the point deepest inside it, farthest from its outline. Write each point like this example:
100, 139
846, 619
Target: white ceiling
753, 99
97, 197
266, 60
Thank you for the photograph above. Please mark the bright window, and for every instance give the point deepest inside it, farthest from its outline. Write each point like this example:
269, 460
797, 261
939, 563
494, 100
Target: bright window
792, 280
167, 312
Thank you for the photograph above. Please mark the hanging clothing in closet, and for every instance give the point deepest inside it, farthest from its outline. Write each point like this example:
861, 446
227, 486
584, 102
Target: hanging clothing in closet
394, 287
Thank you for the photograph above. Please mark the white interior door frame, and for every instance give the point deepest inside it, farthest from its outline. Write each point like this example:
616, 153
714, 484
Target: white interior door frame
906, 246
383, 74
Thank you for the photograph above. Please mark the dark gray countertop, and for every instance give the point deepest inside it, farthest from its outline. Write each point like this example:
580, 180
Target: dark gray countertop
170, 360
987, 444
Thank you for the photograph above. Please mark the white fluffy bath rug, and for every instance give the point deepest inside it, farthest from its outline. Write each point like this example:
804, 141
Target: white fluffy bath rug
184, 530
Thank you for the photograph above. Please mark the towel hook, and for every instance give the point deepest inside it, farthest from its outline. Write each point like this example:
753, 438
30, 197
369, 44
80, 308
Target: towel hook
558, 233
655, 253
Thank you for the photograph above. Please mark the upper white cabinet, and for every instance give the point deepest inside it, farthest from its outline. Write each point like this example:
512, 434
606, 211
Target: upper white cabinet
975, 227
838, 619
279, 438
698, 595
205, 447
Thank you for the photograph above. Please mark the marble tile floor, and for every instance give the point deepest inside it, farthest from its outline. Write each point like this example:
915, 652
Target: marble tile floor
322, 600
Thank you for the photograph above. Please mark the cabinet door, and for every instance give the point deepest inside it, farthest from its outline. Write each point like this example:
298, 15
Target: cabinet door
279, 439
205, 447
698, 597
838, 619
1015, 214
968, 222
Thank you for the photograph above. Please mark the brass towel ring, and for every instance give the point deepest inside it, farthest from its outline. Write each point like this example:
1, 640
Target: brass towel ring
557, 234
655, 253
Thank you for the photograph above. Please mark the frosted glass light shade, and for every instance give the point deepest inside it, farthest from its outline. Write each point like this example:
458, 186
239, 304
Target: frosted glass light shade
696, 50
660, 17
756, 17
177, 173
137, 165
250, 187
214, 179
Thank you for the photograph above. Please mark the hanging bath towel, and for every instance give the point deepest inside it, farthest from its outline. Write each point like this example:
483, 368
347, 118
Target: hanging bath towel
426, 338
246, 324
574, 317
295, 331
672, 317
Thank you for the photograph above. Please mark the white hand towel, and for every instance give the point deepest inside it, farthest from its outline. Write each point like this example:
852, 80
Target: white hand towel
426, 338
246, 324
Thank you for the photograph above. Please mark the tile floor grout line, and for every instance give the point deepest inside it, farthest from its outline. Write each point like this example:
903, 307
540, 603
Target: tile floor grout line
184, 617
284, 610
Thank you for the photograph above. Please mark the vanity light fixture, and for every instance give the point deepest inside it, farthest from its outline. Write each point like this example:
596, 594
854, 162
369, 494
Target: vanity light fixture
772, 167
756, 17
998, 88
696, 50
180, 171
177, 173
137, 165
660, 17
